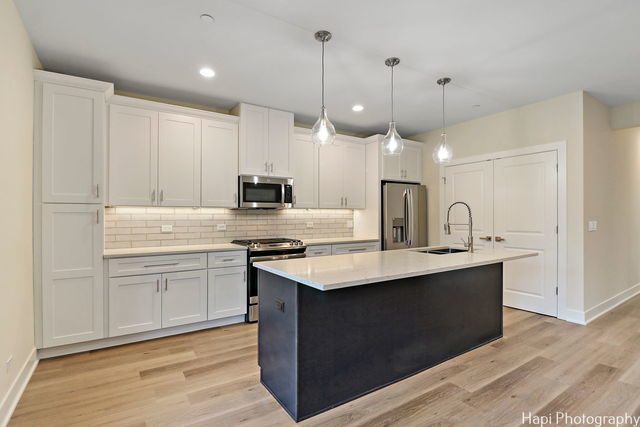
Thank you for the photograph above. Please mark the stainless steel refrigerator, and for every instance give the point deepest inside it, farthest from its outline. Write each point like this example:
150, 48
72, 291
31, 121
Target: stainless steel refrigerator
404, 215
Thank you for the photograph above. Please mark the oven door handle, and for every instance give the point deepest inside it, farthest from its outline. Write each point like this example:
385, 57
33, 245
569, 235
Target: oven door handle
276, 257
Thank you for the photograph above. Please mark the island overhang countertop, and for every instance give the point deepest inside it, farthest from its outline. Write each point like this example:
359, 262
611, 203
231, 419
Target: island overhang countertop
342, 271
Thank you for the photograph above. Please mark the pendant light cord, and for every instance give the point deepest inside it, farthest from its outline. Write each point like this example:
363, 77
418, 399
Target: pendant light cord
443, 120
392, 93
323, 75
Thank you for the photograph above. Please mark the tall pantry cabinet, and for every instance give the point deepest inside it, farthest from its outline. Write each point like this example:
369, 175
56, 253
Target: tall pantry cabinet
69, 169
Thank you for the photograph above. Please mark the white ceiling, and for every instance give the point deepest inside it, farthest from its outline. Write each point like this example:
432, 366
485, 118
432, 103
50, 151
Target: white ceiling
500, 53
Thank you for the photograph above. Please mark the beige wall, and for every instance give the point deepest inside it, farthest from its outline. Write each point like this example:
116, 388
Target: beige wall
612, 186
16, 116
553, 120
625, 116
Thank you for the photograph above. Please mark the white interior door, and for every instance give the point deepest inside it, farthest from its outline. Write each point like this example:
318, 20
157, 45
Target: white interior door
179, 160
280, 137
526, 211
72, 294
133, 156
471, 183
354, 170
184, 298
304, 168
219, 164
72, 144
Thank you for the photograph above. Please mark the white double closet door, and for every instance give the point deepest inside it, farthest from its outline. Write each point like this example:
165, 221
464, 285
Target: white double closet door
514, 202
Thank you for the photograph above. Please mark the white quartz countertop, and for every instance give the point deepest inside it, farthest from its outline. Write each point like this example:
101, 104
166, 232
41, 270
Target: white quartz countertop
170, 250
342, 271
336, 241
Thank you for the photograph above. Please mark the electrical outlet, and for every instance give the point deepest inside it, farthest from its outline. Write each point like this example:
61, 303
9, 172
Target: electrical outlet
221, 227
9, 364
593, 225
349, 224
167, 228
309, 225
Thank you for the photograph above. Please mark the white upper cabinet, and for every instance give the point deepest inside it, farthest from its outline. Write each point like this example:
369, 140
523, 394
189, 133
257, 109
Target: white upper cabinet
304, 168
72, 140
354, 170
179, 147
342, 175
133, 156
219, 164
72, 292
405, 167
265, 137
280, 139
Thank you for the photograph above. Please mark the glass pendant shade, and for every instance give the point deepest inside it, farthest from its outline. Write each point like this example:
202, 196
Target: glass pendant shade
323, 131
392, 144
443, 153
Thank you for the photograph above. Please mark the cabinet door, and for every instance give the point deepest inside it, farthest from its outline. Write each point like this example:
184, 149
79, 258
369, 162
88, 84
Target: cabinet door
72, 292
354, 175
304, 168
72, 144
219, 164
135, 304
254, 138
179, 160
391, 169
133, 156
227, 292
411, 162
184, 297
330, 177
280, 140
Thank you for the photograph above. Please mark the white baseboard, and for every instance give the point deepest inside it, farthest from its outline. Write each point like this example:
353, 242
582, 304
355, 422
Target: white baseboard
11, 399
63, 350
605, 306
574, 316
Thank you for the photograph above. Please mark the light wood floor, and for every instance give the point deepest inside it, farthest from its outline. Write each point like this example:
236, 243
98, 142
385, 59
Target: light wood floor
210, 378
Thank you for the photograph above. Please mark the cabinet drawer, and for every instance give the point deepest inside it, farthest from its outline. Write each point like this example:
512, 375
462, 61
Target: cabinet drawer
227, 259
351, 248
156, 264
318, 250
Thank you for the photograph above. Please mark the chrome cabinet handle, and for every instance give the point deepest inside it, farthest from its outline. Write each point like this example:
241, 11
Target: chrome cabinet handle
97, 216
161, 196
235, 197
244, 276
228, 260
294, 199
500, 239
487, 238
346, 203
166, 284
161, 265
157, 285
153, 195
357, 249
266, 166
271, 167
341, 201
97, 191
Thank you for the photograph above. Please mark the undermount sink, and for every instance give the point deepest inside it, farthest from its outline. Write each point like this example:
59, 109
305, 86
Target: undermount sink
444, 251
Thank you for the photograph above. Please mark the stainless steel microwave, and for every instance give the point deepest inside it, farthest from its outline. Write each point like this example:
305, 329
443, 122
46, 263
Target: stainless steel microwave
265, 192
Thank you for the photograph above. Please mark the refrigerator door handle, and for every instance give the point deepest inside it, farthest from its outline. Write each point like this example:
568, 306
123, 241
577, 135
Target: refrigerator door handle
410, 218
405, 197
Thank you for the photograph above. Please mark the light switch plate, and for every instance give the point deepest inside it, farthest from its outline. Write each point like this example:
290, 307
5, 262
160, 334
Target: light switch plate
593, 225
167, 228
221, 227
309, 225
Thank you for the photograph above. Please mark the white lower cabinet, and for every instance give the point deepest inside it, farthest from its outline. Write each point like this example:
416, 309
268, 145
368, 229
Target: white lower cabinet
352, 248
227, 292
184, 298
318, 250
135, 304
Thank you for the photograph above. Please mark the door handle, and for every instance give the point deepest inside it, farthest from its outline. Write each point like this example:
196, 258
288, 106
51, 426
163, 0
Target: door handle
487, 238
500, 239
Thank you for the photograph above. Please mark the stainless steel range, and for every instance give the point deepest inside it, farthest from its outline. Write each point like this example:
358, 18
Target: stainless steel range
266, 250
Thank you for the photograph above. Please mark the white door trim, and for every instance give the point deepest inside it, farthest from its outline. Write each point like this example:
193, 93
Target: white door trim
561, 148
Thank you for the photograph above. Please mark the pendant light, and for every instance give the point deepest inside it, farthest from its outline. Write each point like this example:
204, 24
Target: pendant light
323, 132
392, 144
443, 153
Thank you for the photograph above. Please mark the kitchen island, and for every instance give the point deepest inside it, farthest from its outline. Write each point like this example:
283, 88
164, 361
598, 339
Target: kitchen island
335, 328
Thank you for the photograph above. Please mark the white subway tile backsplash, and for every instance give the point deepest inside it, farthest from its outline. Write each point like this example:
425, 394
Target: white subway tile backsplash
128, 227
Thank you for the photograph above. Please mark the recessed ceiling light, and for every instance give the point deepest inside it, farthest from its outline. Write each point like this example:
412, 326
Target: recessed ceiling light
207, 72
207, 19
357, 108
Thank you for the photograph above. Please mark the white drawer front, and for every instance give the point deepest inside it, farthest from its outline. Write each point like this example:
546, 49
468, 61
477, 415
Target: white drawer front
156, 264
318, 250
352, 248
227, 259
